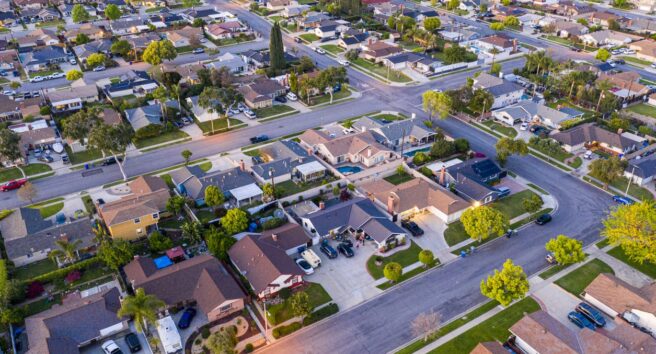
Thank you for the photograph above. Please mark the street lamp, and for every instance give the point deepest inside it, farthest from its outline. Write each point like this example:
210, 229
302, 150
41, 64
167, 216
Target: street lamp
273, 184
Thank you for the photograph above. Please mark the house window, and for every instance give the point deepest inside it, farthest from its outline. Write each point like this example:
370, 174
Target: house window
137, 220
488, 199
155, 215
225, 308
139, 231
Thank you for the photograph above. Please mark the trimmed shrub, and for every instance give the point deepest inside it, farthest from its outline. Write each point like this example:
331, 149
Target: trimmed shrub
320, 314
205, 332
61, 273
284, 293
282, 331
273, 223
249, 348
149, 131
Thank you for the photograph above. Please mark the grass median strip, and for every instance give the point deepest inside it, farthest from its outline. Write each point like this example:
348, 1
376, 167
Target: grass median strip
578, 279
408, 275
646, 268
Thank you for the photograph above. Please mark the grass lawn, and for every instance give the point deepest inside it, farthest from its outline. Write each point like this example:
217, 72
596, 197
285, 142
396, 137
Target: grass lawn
8, 174
276, 18
603, 243
332, 48
389, 117
576, 163
577, 280
343, 93
553, 270
282, 312
82, 156
505, 130
34, 269
155, 9
184, 49
561, 156
219, 124
564, 102
50, 210
88, 204
4, 213
643, 109
404, 258
397, 178
450, 327
205, 216
231, 41
273, 110
205, 166
52, 23
533, 217
511, 206
455, 233
381, 71
635, 60
309, 37
171, 223
161, 139
646, 267
41, 305
493, 329
635, 190
538, 188
290, 188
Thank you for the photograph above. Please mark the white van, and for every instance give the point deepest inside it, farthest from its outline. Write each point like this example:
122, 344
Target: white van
169, 335
311, 258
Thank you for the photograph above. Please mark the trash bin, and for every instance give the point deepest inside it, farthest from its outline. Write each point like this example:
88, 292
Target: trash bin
86, 166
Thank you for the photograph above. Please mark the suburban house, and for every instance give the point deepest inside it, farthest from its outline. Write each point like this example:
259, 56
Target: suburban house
132, 83
566, 29
39, 15
185, 37
82, 52
393, 134
237, 185
31, 4
8, 18
604, 18
137, 214
460, 35
608, 37
589, 136
641, 25
143, 116
264, 262
202, 280
289, 237
326, 29
128, 25
503, 12
29, 238
499, 43
206, 14
9, 109
287, 160
641, 171
88, 29
626, 85
217, 32
259, 59
353, 40
571, 8
420, 62
646, 49
201, 114
312, 19
140, 42
166, 19
8, 60
473, 179
505, 92
416, 196
489, 348
294, 11
108, 116
379, 50
277, 5
260, 93
77, 322
530, 111
35, 134
41, 58
234, 63
66, 10
361, 148
37, 38
72, 98
359, 216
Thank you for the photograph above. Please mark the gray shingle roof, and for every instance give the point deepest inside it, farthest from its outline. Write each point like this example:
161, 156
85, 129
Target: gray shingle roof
194, 181
46, 238
644, 167
590, 132
23, 222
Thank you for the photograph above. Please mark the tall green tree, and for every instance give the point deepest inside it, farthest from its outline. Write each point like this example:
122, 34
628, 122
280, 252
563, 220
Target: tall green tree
633, 227
566, 250
235, 221
10, 147
158, 51
142, 308
73, 75
113, 140
214, 197
112, 12
432, 24
532, 204
276, 49
482, 222
78, 125
157, 242
115, 253
506, 285
80, 14
67, 252
426, 258
508, 146
300, 304
393, 271
481, 101
218, 243
192, 230
436, 104
121, 47
607, 170
176, 204
186, 155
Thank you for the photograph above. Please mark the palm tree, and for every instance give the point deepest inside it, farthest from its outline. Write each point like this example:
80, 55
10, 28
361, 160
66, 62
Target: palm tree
101, 234
68, 251
142, 308
602, 86
207, 100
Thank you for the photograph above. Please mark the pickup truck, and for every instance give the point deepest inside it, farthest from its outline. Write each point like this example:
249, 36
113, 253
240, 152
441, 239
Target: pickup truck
11, 185
311, 258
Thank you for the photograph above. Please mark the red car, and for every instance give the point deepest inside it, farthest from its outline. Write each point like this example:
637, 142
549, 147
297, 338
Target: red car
11, 185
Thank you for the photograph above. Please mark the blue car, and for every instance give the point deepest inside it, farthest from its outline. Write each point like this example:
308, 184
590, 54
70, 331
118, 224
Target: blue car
328, 250
622, 200
580, 321
591, 313
186, 318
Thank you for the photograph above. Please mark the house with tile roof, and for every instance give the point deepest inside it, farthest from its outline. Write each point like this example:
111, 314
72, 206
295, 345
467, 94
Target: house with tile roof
393, 134
530, 111
72, 98
237, 185
473, 179
504, 92
489, 348
646, 49
360, 148
9, 109
202, 280
260, 93
501, 43
589, 135
378, 50
35, 134
608, 37
566, 29
264, 262
76, 323
136, 215
185, 36
136, 83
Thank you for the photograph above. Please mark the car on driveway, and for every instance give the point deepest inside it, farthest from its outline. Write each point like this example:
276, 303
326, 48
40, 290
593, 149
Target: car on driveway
304, 265
344, 62
524, 126
11, 185
412, 226
198, 51
328, 250
345, 249
133, 342
186, 318
259, 139
543, 219
281, 99
46, 159
99, 68
591, 313
250, 114
622, 200
580, 321
110, 347
321, 51
291, 96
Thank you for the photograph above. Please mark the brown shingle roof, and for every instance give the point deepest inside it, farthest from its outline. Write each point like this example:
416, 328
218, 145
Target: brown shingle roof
499, 41
111, 117
286, 237
134, 206
620, 295
545, 334
489, 348
147, 184
354, 144
313, 137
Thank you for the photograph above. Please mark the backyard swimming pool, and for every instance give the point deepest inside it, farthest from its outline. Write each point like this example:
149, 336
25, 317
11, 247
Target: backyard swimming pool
348, 170
414, 152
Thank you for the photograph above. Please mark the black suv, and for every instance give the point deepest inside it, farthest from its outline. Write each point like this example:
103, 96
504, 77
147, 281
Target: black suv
345, 249
411, 226
543, 219
259, 139
133, 342
328, 251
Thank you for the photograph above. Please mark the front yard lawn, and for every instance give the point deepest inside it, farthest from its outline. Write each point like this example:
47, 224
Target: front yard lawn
635, 60
493, 329
34, 269
503, 129
511, 206
332, 48
389, 117
343, 93
41, 305
82, 156
52, 23
288, 187
161, 139
219, 124
404, 258
8, 174
646, 267
50, 210
309, 37
553, 270
282, 312
382, 71
455, 233
578, 279
273, 110
643, 109
397, 178
634, 190
205, 216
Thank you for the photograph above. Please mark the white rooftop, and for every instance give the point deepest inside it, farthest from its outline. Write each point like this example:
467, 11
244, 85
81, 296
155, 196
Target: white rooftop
246, 192
437, 166
310, 168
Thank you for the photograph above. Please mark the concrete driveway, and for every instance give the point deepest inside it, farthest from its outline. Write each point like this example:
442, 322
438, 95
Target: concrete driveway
119, 339
433, 237
558, 303
346, 279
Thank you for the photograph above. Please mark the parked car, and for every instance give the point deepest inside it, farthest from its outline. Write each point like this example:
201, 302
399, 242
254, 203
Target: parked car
328, 250
46, 159
198, 51
11, 185
297, 40
99, 68
111, 161
311, 258
281, 99
65, 159
344, 62
72, 61
57, 75
622, 200
132, 342
291, 96
412, 226
321, 51
543, 219
110, 347
503, 191
250, 114
591, 313
510, 233
257, 160
37, 79
524, 126
345, 249
653, 65
241, 107
186, 318
8, 92
100, 201
259, 139
305, 266
580, 321
186, 120
588, 155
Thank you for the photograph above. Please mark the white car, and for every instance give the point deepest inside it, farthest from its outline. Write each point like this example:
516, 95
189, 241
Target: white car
72, 61
629, 51
110, 347
588, 155
344, 62
37, 79
321, 51
305, 266
99, 68
250, 114
57, 75
653, 65
524, 126
8, 92
291, 96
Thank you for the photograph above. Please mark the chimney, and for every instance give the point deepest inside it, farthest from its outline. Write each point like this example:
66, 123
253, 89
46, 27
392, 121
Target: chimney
274, 237
620, 131
370, 41
242, 165
322, 205
514, 44
443, 175
501, 74
390, 204
309, 151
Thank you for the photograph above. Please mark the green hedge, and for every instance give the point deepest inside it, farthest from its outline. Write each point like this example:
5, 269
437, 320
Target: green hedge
61, 273
320, 314
282, 331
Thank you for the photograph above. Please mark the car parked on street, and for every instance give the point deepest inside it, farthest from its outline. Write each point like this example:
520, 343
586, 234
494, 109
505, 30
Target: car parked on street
345, 249
259, 139
412, 226
304, 265
591, 313
11, 185
320, 51
328, 250
186, 318
110, 347
111, 161
198, 51
99, 68
132, 342
37, 79
580, 321
622, 200
543, 219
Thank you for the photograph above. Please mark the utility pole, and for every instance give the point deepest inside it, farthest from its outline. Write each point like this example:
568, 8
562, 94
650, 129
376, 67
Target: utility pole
626, 192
